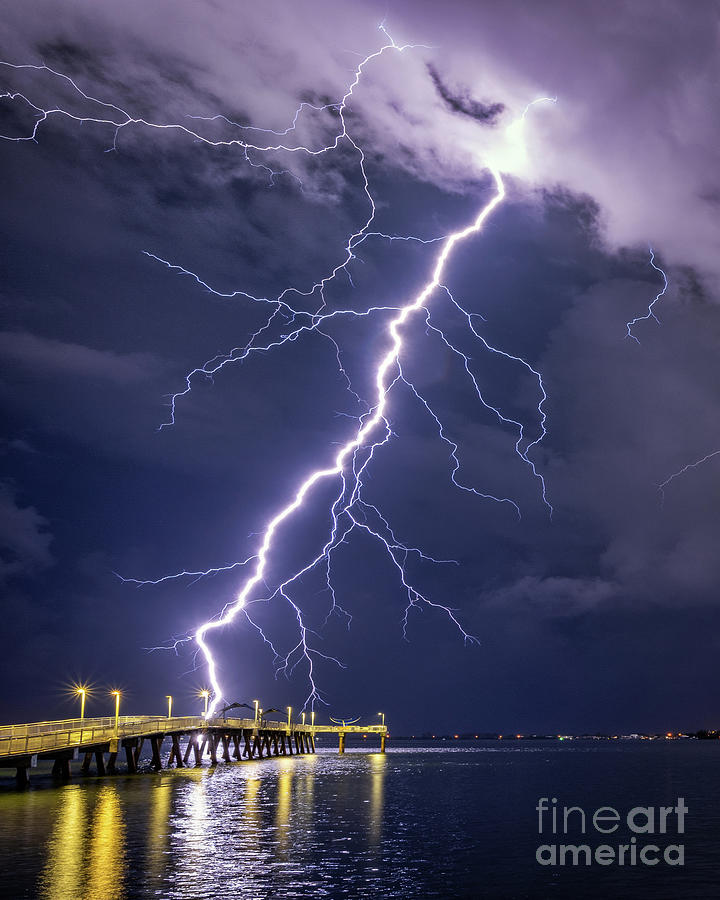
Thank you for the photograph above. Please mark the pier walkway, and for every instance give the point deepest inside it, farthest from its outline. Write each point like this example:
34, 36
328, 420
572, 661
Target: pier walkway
99, 740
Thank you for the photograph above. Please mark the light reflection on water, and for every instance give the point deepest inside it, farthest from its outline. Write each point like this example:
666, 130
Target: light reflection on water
158, 839
416, 822
86, 849
64, 872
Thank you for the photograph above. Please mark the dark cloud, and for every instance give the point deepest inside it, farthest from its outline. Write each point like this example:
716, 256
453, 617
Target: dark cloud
24, 537
58, 359
460, 101
72, 58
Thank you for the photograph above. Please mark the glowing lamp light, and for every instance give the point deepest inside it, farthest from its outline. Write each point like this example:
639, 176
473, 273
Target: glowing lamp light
116, 695
205, 695
82, 693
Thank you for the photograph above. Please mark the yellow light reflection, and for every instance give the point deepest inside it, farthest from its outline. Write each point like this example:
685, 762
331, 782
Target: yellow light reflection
160, 804
106, 868
252, 829
378, 767
286, 770
252, 806
62, 878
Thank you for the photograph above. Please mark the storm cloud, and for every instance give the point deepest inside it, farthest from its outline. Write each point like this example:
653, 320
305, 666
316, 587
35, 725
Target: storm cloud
463, 103
98, 335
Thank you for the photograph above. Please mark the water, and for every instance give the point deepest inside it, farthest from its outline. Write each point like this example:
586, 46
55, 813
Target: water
418, 822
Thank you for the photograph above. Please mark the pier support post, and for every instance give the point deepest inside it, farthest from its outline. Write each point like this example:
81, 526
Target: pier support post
175, 752
61, 767
341, 743
130, 756
22, 779
85, 768
100, 762
383, 738
226, 748
236, 742
155, 742
212, 746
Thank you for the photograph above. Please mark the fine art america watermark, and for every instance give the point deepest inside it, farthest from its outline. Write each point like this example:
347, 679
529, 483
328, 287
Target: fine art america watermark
641, 835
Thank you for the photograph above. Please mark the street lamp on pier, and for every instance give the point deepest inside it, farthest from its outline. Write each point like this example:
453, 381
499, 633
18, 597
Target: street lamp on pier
206, 696
82, 693
116, 695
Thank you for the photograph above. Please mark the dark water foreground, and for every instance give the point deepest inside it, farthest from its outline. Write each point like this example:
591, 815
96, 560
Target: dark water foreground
418, 822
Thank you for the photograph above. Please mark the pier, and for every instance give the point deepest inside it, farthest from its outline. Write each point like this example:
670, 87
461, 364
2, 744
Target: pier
99, 741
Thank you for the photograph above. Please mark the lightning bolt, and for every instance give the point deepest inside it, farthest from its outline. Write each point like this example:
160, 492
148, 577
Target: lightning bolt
301, 311
684, 469
650, 314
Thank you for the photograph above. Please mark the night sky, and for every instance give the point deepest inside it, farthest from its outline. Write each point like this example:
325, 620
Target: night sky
603, 617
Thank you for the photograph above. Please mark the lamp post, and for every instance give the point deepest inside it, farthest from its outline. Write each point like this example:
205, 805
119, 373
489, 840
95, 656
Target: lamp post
289, 709
383, 717
303, 718
168, 697
256, 702
116, 695
206, 695
82, 693
312, 720
260, 712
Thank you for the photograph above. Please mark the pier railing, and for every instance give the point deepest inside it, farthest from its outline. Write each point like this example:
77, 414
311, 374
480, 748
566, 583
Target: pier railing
39, 737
